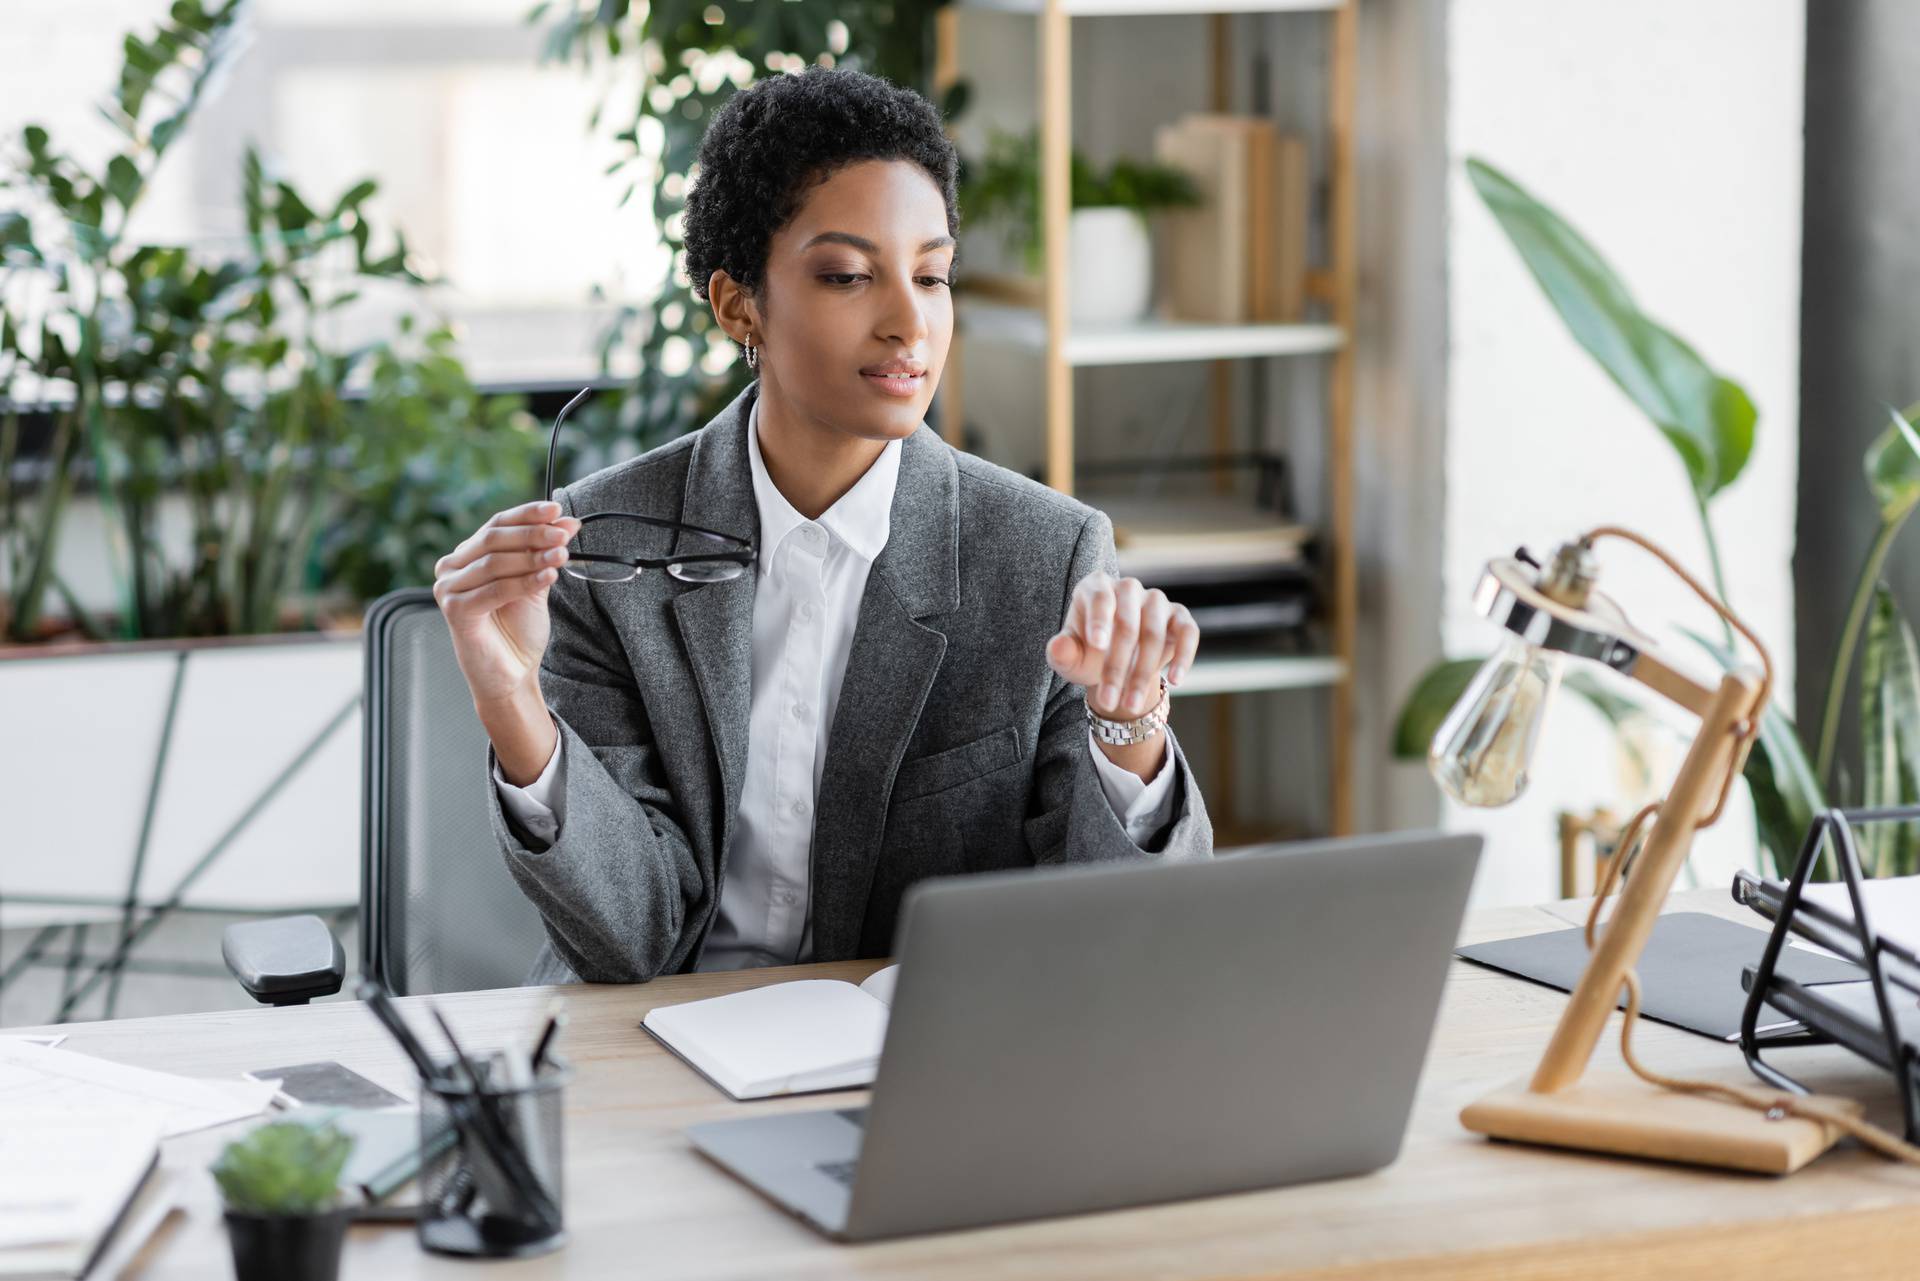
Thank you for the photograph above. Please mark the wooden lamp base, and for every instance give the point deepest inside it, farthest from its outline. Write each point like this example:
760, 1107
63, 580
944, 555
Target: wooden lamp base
1618, 1113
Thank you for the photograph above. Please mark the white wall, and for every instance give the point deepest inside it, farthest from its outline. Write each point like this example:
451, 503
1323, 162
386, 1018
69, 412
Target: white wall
1670, 135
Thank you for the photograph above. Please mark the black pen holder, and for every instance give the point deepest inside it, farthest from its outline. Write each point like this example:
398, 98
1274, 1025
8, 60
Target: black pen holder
491, 1163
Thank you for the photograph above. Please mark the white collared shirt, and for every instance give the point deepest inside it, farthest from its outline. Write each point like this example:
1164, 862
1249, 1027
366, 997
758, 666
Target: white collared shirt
810, 575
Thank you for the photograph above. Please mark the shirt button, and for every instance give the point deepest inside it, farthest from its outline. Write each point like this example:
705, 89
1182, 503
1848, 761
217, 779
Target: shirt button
799, 809
800, 711
806, 613
786, 898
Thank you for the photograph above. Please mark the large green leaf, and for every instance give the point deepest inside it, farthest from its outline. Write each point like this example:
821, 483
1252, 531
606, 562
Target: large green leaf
1780, 776
1706, 417
1892, 464
1441, 686
354, 196
123, 181
1890, 734
1433, 696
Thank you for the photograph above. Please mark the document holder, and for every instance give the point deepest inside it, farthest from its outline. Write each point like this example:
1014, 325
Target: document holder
1877, 1019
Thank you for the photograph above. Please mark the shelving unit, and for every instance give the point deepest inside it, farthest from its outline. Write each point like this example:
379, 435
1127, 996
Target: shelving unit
1248, 673
1146, 342
1046, 329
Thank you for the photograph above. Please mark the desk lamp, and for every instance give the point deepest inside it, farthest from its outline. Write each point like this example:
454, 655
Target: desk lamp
1479, 757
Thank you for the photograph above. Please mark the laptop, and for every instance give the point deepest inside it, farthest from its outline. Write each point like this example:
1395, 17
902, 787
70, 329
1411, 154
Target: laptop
1075, 1039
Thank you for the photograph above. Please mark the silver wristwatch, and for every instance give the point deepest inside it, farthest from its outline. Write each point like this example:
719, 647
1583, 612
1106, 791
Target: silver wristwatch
1138, 730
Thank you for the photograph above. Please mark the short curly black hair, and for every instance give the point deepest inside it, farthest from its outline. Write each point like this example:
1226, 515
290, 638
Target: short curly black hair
775, 140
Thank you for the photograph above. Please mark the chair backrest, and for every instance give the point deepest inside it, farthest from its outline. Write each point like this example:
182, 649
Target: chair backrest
439, 912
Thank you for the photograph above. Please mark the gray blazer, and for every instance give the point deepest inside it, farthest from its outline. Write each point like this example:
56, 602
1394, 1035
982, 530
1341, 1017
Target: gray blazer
954, 748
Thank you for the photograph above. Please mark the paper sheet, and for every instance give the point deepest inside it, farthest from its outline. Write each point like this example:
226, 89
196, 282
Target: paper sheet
53, 1082
1893, 906
880, 985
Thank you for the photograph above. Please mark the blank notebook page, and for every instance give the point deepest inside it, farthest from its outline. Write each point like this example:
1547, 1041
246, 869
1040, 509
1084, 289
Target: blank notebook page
759, 1040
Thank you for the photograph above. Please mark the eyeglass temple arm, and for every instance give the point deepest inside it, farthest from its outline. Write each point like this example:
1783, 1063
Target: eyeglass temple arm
660, 522
553, 439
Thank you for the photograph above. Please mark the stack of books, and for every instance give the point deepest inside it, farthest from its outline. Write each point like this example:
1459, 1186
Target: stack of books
1239, 568
1171, 538
1240, 257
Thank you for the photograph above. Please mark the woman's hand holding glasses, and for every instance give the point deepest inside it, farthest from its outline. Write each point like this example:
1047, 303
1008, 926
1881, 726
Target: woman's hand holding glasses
493, 588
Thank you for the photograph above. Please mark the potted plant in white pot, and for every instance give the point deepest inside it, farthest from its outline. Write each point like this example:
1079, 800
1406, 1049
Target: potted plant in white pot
280, 1185
1109, 236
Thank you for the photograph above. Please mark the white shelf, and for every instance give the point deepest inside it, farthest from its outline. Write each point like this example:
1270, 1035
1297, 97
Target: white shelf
1146, 342
1142, 8
1238, 673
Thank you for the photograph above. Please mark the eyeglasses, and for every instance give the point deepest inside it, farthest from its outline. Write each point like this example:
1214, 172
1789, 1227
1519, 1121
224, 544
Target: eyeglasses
715, 557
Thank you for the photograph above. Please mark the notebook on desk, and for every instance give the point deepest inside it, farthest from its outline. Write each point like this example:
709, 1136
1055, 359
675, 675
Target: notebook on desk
69, 1183
799, 1037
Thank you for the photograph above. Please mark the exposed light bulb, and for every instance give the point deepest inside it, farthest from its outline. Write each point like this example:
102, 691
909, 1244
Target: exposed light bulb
1482, 751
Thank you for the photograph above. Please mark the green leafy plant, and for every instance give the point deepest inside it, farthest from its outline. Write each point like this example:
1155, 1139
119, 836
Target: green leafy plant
428, 458
225, 391
203, 372
284, 1168
65, 228
1710, 422
1707, 417
1003, 188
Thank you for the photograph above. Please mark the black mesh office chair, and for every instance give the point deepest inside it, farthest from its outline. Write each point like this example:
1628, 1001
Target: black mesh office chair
439, 911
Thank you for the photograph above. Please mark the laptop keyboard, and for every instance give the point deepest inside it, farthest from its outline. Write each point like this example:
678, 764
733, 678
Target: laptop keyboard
840, 1172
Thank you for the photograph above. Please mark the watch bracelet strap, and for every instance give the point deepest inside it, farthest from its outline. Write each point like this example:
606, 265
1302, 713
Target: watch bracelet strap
1137, 730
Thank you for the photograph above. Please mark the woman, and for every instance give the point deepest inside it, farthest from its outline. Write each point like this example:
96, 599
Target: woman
751, 771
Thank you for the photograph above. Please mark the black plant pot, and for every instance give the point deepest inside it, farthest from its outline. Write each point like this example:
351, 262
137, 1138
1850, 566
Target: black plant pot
287, 1247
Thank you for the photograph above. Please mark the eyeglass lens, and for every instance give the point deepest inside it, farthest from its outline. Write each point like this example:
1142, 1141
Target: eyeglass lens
691, 571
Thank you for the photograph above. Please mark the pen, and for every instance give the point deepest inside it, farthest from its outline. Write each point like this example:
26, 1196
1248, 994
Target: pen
375, 996
556, 1020
466, 1064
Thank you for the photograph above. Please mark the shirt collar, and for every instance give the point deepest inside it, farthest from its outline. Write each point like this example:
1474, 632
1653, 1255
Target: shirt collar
861, 518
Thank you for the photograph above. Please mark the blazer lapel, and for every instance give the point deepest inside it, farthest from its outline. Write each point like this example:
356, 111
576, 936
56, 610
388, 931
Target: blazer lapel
715, 620
890, 671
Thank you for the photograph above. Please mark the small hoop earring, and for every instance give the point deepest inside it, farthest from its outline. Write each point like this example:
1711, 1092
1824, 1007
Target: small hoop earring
753, 355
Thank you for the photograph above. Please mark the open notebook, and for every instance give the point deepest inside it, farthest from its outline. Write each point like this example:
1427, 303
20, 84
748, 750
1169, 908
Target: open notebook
785, 1038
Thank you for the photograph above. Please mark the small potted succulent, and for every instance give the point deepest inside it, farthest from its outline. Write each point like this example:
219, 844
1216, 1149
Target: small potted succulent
280, 1184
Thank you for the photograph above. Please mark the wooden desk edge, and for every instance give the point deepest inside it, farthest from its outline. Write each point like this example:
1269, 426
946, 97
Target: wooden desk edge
1813, 1245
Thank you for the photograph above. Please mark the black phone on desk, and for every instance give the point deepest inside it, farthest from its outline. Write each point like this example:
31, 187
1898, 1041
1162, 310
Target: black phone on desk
326, 1084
